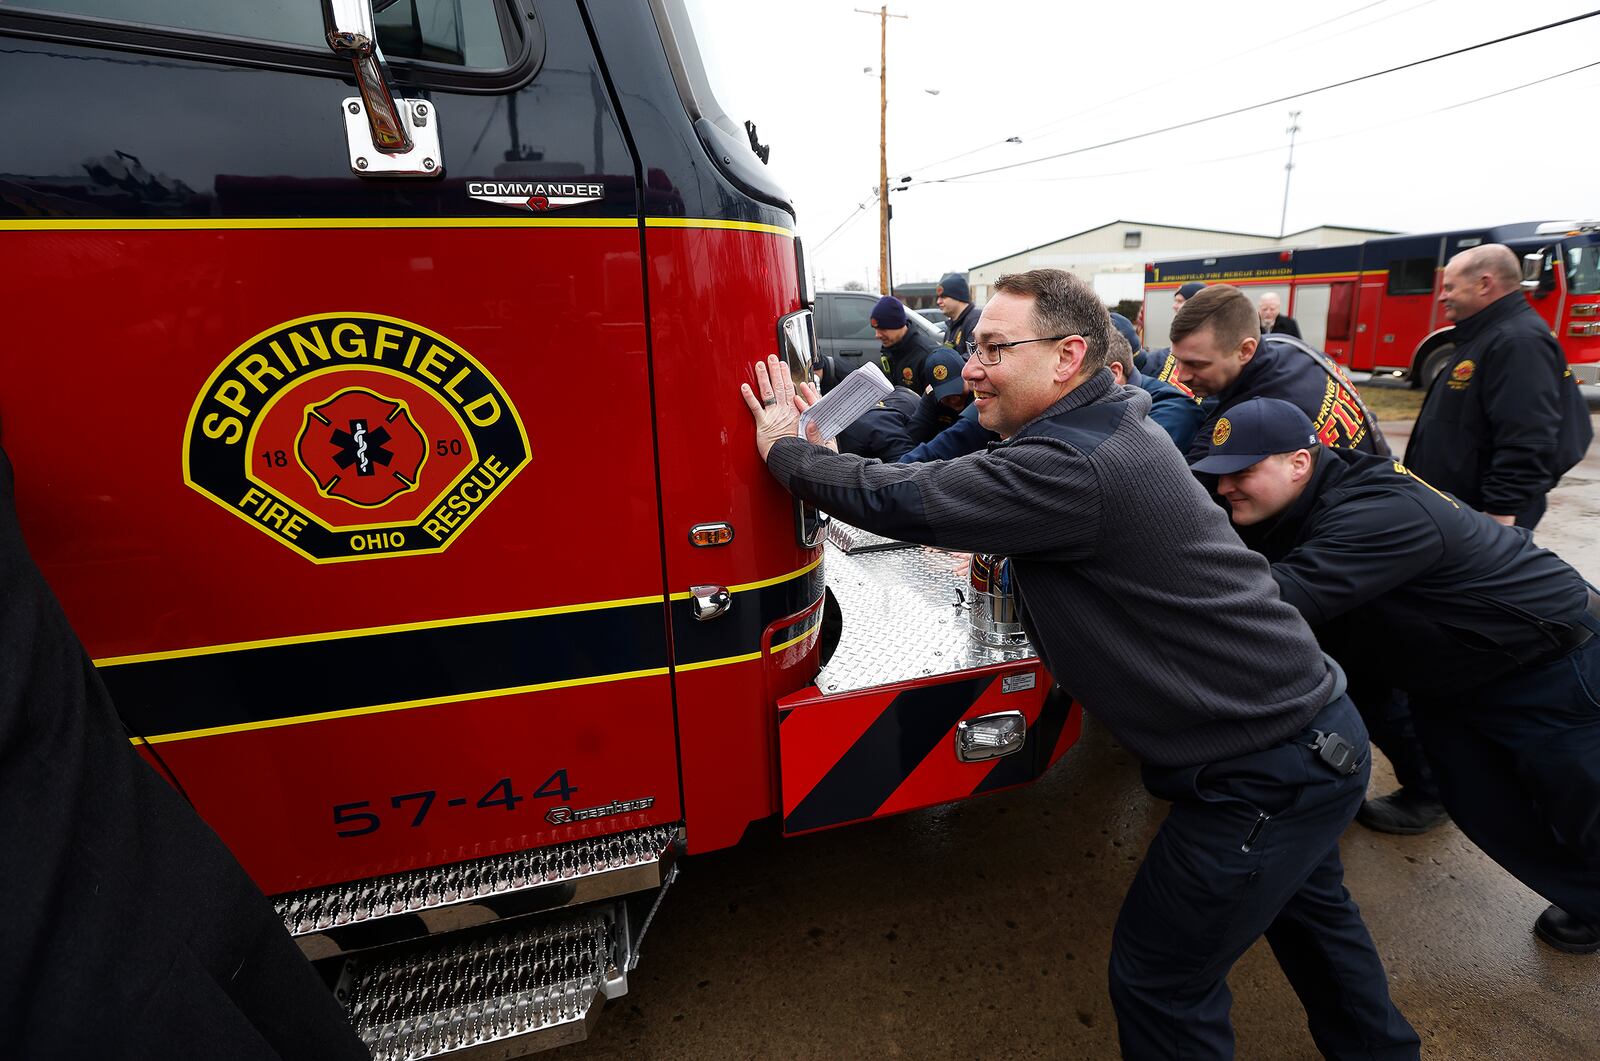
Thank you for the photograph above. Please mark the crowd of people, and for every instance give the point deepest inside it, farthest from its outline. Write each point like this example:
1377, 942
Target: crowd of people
1312, 589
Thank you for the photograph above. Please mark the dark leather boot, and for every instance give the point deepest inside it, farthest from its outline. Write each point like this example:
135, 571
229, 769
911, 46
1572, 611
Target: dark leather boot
1404, 812
1564, 932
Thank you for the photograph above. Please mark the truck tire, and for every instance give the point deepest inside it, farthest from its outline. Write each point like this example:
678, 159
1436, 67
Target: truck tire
1433, 363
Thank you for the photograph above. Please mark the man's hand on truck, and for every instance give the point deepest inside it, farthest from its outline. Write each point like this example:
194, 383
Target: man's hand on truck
777, 411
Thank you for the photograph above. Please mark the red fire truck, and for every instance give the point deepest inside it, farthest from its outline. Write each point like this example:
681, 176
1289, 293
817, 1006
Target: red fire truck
1374, 306
375, 417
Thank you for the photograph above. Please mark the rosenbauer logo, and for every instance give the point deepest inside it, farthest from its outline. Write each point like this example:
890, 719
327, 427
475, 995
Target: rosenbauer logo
351, 436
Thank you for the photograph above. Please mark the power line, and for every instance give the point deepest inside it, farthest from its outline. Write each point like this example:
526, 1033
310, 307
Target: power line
1036, 130
1281, 99
857, 212
1169, 166
1237, 55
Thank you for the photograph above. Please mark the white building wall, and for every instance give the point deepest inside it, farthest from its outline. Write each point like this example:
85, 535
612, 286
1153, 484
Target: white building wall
1100, 257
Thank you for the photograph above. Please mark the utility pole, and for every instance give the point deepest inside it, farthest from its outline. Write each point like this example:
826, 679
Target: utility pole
1288, 171
885, 277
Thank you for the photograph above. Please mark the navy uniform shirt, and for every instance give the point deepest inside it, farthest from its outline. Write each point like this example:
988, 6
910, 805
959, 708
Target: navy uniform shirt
905, 363
958, 332
1415, 586
1279, 370
1504, 419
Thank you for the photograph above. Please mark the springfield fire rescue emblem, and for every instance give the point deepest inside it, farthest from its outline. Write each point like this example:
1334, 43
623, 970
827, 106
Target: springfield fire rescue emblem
1220, 433
1461, 375
349, 436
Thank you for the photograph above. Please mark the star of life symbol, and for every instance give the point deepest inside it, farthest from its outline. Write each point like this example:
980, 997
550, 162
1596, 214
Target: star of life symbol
354, 447
378, 457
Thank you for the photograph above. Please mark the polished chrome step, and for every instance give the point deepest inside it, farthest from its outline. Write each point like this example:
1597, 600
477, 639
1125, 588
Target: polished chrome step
379, 911
525, 987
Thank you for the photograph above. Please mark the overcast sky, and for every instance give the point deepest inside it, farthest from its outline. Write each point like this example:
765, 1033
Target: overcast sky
1384, 153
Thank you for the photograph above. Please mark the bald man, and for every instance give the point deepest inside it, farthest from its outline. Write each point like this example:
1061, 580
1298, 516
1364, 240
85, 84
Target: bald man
1273, 322
1504, 419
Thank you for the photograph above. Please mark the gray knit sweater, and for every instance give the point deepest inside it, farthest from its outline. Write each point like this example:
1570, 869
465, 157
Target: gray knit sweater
1139, 597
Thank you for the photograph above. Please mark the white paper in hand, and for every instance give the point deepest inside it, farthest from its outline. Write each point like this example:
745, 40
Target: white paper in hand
844, 404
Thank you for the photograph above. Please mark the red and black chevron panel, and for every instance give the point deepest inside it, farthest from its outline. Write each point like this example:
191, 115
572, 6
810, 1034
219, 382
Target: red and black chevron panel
881, 751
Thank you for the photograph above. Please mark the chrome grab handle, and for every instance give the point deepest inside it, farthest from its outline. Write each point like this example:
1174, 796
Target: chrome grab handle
353, 36
710, 601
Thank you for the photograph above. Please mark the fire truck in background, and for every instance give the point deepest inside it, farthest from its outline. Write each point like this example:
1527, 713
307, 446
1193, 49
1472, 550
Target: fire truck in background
375, 417
1373, 306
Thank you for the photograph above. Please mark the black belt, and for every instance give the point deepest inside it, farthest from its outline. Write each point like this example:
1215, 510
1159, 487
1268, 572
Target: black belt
1575, 636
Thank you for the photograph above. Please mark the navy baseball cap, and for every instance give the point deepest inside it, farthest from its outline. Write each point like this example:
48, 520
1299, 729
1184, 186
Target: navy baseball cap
1252, 431
944, 372
1125, 326
954, 285
1191, 289
888, 313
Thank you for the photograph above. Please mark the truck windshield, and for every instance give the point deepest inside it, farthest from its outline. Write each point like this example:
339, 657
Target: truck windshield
1583, 269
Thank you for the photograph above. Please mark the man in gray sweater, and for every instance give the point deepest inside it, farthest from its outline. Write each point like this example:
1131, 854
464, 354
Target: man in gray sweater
1238, 718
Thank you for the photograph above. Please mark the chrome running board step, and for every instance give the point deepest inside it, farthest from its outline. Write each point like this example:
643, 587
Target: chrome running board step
381, 911
513, 991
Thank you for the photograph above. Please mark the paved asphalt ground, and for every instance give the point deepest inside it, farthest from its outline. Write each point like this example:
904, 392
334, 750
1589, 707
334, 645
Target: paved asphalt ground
982, 930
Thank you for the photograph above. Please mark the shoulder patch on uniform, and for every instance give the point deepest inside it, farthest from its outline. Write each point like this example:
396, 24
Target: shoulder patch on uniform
941, 372
1220, 433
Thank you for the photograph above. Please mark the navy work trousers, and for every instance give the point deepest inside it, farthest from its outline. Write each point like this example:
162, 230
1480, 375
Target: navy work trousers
1518, 765
1251, 847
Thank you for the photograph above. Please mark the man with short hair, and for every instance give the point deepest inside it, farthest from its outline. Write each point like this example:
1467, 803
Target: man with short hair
1273, 322
905, 349
1172, 410
1221, 354
1239, 719
961, 316
1493, 641
1504, 419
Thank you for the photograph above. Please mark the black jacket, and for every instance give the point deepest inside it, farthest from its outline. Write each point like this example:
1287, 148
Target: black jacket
883, 431
1285, 326
1279, 370
903, 362
1504, 420
126, 927
958, 332
1409, 583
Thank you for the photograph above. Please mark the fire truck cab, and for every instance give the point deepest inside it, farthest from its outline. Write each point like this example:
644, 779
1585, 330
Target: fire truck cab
372, 386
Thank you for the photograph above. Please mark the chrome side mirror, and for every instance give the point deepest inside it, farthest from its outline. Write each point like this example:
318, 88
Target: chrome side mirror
386, 136
1532, 270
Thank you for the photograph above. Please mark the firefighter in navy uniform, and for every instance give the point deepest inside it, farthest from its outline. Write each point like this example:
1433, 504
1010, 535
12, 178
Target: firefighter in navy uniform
883, 432
946, 398
905, 349
1504, 419
1501, 660
1221, 354
961, 316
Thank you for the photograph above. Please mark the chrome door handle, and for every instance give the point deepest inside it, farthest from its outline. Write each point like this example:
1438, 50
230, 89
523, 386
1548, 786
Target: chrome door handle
386, 136
710, 601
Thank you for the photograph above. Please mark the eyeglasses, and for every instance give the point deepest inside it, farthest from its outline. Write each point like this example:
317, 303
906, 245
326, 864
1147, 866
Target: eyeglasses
991, 353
